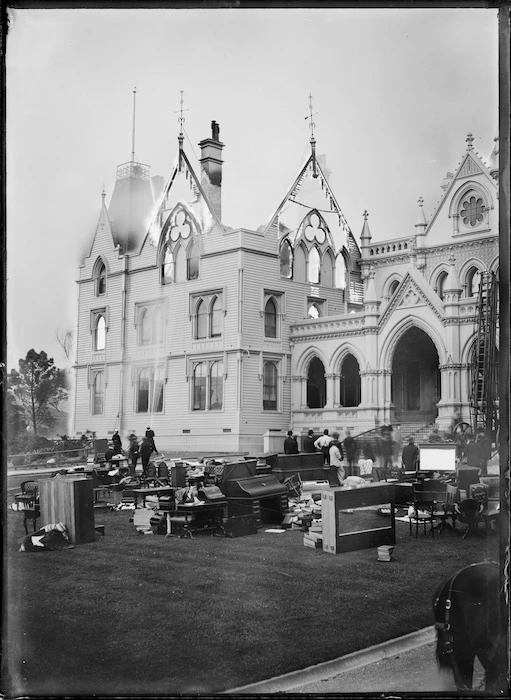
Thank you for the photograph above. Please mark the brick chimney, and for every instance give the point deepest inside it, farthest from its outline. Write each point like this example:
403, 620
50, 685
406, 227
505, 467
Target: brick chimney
211, 168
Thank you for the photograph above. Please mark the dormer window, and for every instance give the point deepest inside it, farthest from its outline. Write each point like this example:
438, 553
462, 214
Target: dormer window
472, 210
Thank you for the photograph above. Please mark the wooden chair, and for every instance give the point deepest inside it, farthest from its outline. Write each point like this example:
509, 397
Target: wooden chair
28, 503
449, 509
426, 508
469, 511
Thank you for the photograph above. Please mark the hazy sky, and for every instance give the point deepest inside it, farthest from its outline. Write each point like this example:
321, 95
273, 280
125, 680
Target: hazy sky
395, 91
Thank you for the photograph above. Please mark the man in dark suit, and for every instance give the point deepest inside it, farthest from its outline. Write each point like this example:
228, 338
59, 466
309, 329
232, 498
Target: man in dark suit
290, 444
308, 442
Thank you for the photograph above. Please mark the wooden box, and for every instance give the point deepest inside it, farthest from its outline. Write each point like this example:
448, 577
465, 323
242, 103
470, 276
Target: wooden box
69, 501
365, 526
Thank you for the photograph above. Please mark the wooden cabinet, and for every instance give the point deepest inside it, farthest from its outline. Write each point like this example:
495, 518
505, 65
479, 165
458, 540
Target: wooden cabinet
69, 501
352, 519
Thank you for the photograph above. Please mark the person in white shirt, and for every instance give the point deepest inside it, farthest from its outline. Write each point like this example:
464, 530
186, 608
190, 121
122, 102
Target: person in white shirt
323, 445
336, 457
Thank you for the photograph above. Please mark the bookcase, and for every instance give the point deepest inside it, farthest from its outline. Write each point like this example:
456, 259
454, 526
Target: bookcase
365, 526
70, 501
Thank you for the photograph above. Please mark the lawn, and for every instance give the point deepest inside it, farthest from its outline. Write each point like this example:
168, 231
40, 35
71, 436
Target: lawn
135, 614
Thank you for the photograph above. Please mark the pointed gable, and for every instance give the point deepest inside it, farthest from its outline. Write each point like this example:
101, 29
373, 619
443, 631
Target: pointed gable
183, 192
413, 291
104, 239
467, 205
310, 192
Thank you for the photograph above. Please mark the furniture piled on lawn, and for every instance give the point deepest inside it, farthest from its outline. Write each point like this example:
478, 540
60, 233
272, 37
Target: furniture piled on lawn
69, 500
428, 499
190, 518
469, 511
308, 465
28, 503
466, 476
350, 520
262, 496
144, 491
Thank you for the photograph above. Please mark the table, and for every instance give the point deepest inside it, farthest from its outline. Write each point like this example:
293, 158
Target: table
155, 491
190, 518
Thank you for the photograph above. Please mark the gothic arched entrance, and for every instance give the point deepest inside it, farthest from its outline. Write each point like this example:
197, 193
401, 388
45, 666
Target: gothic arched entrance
415, 382
316, 384
350, 382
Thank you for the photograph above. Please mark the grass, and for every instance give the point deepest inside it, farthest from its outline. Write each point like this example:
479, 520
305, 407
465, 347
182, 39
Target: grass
132, 614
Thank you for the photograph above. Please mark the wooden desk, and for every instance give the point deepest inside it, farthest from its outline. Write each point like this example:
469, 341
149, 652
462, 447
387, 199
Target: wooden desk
155, 491
190, 518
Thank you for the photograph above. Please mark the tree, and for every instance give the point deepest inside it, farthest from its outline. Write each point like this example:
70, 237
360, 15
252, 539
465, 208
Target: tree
37, 388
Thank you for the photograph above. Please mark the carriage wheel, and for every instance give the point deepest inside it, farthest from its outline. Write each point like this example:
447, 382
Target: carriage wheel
461, 430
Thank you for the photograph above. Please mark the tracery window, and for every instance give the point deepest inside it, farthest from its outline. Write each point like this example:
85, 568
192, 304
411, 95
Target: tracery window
286, 260
149, 390
314, 266
202, 320
167, 266
192, 262
472, 211
216, 318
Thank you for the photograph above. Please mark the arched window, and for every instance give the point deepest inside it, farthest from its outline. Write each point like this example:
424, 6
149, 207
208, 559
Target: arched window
350, 382
216, 318
202, 320
100, 333
158, 384
157, 325
300, 265
316, 384
314, 266
269, 386
167, 266
270, 319
472, 209
98, 392
340, 272
180, 264
327, 270
199, 387
473, 281
440, 283
216, 386
145, 329
392, 289
143, 387
286, 260
314, 311
192, 263
100, 279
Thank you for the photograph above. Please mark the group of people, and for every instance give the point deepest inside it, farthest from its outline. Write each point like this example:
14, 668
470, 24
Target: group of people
144, 450
334, 451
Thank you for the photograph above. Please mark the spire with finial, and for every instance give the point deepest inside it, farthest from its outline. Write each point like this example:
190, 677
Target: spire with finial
181, 120
469, 141
365, 236
133, 129
421, 217
312, 126
103, 194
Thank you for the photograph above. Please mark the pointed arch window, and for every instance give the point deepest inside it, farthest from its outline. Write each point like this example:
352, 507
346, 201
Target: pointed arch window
199, 387
192, 262
167, 266
340, 272
286, 260
350, 382
216, 386
270, 319
143, 388
100, 333
98, 392
440, 284
473, 282
270, 386
314, 266
101, 279
316, 384
314, 311
157, 330
202, 320
145, 328
393, 286
216, 318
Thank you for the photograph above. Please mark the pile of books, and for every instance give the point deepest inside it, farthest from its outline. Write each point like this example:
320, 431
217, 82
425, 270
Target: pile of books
385, 552
300, 513
314, 535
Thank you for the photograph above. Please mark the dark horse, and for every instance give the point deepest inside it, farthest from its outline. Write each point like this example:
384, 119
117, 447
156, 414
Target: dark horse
469, 615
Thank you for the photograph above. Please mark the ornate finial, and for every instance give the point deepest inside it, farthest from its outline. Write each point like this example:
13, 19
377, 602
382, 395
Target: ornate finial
181, 119
469, 140
365, 214
133, 131
311, 123
103, 193
420, 201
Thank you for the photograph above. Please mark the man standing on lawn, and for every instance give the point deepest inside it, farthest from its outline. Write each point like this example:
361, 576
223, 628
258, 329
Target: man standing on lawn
290, 444
336, 457
350, 447
410, 456
323, 445
146, 450
150, 436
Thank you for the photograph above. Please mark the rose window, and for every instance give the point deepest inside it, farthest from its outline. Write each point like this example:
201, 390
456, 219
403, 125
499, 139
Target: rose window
473, 211
314, 230
181, 227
